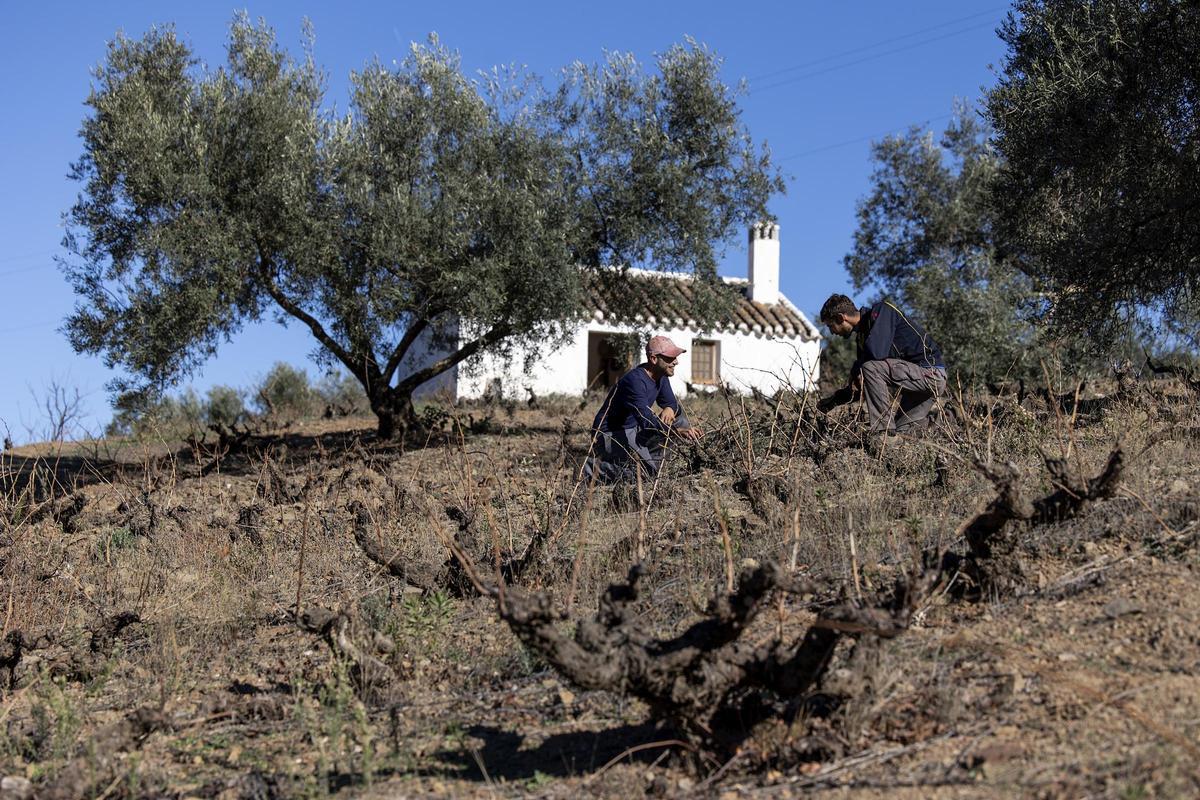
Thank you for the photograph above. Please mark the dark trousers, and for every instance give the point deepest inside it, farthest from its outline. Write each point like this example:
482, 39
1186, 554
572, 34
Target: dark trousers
900, 394
619, 455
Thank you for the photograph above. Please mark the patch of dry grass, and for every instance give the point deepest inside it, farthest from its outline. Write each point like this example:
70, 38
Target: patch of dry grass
237, 699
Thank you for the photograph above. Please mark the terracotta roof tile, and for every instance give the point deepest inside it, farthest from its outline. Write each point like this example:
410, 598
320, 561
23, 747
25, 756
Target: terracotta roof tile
670, 298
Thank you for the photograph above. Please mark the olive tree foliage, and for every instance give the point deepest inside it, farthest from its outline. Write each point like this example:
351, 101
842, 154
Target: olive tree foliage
184, 416
285, 393
926, 237
215, 197
1095, 118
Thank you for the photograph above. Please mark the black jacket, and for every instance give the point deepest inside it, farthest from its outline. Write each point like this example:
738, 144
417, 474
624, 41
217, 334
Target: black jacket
885, 332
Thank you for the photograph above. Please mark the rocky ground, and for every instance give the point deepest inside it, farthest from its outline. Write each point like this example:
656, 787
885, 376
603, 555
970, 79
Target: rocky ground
298, 616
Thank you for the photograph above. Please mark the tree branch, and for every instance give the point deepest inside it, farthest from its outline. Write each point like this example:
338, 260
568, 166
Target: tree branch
466, 351
406, 341
394, 562
318, 330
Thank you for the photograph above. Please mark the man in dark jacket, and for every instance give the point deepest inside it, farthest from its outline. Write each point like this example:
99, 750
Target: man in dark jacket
899, 369
627, 435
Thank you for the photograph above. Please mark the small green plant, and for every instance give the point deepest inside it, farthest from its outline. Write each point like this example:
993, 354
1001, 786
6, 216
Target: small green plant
915, 525
539, 780
57, 721
95, 687
363, 733
1133, 791
412, 611
133, 778
426, 615
336, 696
114, 540
440, 605
307, 720
344, 733
455, 735
18, 512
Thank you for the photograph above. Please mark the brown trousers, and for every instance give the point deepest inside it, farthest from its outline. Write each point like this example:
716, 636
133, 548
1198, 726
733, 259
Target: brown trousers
900, 394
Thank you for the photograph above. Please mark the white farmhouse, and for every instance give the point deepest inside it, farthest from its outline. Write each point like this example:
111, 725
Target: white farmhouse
765, 342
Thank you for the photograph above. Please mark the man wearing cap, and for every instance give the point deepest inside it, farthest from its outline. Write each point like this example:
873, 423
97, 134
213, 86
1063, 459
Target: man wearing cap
627, 434
899, 368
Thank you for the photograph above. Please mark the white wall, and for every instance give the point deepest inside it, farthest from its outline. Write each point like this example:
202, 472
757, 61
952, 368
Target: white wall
768, 363
432, 344
763, 361
562, 370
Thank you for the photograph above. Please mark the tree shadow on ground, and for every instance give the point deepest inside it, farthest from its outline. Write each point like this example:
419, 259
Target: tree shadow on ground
503, 754
501, 758
55, 475
39, 478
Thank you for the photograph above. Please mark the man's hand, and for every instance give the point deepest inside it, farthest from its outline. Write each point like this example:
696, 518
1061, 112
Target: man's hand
667, 415
838, 398
691, 434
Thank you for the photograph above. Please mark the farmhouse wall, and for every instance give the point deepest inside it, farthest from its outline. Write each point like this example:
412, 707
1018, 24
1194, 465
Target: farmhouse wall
766, 343
559, 370
766, 363
747, 360
434, 342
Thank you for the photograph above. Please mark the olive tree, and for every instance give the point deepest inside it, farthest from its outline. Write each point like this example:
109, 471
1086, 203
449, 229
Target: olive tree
1095, 120
926, 237
212, 197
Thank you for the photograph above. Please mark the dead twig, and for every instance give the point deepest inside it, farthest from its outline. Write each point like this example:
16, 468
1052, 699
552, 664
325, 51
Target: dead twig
637, 748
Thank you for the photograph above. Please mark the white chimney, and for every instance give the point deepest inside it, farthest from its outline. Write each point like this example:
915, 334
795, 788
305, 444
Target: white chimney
764, 262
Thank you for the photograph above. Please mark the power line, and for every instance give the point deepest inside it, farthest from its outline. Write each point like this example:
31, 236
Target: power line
880, 43
6, 259
914, 46
30, 326
22, 269
872, 137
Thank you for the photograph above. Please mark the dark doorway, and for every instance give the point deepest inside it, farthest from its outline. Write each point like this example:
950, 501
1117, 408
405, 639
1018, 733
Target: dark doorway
606, 360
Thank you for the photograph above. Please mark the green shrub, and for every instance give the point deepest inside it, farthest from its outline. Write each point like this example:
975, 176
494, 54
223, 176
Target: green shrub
285, 393
140, 416
341, 395
225, 407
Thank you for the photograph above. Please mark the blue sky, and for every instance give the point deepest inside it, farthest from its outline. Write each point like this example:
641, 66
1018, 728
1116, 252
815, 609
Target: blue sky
825, 79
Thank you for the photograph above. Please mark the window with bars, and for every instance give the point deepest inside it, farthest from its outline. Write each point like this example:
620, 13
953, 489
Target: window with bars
706, 362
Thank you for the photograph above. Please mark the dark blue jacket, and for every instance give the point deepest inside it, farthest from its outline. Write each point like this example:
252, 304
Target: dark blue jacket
629, 402
885, 332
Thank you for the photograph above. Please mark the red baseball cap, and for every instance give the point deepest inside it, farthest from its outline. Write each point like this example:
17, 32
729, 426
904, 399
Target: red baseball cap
661, 345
